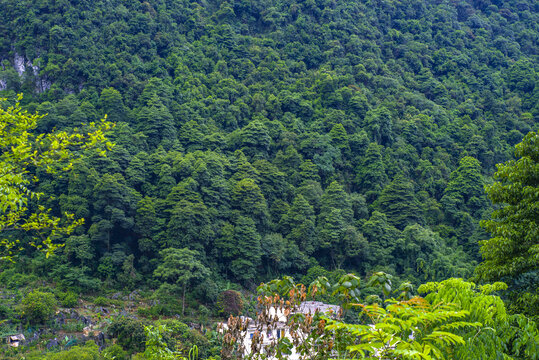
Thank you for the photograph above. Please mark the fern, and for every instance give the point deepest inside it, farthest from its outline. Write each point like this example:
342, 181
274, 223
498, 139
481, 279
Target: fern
455, 320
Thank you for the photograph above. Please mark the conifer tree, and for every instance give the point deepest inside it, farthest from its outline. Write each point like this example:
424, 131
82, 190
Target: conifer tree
247, 251
299, 225
399, 203
371, 174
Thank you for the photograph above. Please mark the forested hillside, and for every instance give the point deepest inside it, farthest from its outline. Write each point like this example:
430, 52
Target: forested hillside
273, 138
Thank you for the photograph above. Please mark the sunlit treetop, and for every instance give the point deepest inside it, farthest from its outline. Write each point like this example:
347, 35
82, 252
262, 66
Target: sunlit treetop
23, 152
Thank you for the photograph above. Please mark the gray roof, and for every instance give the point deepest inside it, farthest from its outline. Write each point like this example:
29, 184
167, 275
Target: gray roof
311, 307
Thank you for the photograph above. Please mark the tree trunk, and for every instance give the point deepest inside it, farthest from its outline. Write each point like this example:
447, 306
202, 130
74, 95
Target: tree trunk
183, 299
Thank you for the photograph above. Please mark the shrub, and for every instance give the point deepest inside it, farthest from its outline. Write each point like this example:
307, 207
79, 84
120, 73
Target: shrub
72, 326
5, 312
158, 310
13, 279
90, 351
129, 332
229, 303
68, 299
101, 301
38, 307
115, 352
180, 335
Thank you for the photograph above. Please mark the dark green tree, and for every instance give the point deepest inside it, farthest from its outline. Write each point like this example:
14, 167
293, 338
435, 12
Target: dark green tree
248, 199
371, 174
399, 203
246, 250
512, 253
299, 225
382, 238
189, 226
182, 268
111, 103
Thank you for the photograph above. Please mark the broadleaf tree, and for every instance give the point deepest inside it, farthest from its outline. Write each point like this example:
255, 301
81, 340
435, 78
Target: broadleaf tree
22, 152
512, 253
181, 267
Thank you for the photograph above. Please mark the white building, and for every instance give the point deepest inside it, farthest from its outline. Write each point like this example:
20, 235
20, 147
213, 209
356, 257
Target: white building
279, 329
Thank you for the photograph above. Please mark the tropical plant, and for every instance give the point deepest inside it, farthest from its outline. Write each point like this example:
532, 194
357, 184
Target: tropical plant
453, 320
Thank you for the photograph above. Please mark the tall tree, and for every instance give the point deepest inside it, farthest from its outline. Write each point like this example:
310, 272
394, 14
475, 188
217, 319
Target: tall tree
299, 224
157, 123
247, 252
112, 104
466, 182
399, 203
512, 254
247, 198
181, 267
382, 238
379, 122
189, 225
371, 174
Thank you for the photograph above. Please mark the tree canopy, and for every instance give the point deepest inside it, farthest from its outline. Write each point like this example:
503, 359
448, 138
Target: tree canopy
512, 254
24, 151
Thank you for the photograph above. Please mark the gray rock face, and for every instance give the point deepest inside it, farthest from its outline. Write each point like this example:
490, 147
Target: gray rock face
19, 64
22, 66
43, 85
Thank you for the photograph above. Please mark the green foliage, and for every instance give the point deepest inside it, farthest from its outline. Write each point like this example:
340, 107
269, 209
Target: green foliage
22, 152
512, 254
129, 332
181, 337
412, 329
68, 299
90, 351
101, 301
158, 349
246, 251
114, 352
500, 334
157, 311
181, 267
37, 307
399, 203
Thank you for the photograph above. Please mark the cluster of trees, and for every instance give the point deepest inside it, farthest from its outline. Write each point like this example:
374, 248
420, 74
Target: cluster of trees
269, 137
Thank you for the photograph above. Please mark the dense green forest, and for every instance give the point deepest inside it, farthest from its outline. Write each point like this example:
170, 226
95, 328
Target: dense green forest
256, 139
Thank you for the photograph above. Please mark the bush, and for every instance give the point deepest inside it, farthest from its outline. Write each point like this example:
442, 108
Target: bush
13, 279
155, 311
74, 278
5, 312
68, 299
115, 352
38, 307
181, 334
72, 326
90, 351
129, 332
101, 301
229, 303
